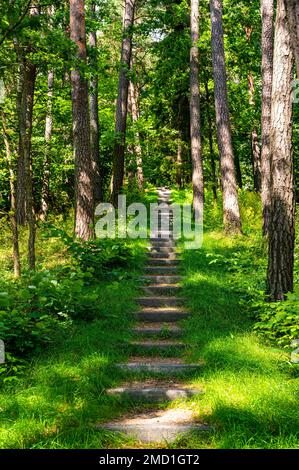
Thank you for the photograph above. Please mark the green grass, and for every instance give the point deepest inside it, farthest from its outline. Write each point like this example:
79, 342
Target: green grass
251, 390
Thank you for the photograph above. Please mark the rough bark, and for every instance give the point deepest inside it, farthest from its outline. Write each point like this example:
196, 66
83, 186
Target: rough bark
26, 133
94, 117
48, 137
267, 10
84, 193
256, 160
292, 7
137, 146
211, 145
195, 138
13, 219
20, 183
122, 103
282, 209
231, 210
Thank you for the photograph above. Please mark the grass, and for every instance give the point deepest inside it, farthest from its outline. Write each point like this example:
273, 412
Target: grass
251, 390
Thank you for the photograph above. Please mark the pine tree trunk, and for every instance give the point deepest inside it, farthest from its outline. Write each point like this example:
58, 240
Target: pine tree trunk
94, 116
231, 210
282, 209
195, 138
211, 146
48, 137
267, 9
256, 160
122, 103
137, 147
292, 7
26, 133
13, 220
84, 192
20, 183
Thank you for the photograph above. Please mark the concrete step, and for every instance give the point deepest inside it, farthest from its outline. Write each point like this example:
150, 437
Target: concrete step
161, 270
162, 279
157, 365
161, 315
160, 301
163, 262
154, 392
162, 289
157, 330
162, 234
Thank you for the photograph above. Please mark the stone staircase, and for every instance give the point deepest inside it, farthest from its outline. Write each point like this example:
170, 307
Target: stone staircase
157, 346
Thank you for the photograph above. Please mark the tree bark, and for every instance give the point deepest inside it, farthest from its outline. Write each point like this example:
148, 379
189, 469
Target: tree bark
94, 116
26, 133
211, 146
122, 103
282, 209
292, 7
20, 183
13, 219
84, 192
267, 10
195, 138
256, 160
48, 137
231, 210
136, 147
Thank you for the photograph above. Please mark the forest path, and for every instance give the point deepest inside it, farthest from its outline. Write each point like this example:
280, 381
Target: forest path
156, 368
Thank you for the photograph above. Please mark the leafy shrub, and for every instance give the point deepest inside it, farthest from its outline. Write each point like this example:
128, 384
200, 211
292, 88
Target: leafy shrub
278, 321
96, 256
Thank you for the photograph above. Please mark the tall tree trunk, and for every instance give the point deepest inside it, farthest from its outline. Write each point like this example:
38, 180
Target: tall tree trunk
267, 9
238, 171
20, 183
26, 133
282, 209
48, 137
231, 210
256, 160
84, 192
195, 138
13, 219
292, 7
94, 115
122, 103
137, 147
211, 146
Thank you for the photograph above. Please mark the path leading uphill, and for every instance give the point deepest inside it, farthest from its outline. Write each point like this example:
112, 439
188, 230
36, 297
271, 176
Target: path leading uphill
157, 348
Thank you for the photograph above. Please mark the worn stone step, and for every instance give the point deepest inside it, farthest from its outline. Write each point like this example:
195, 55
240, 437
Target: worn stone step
155, 433
161, 270
163, 262
162, 249
154, 392
165, 345
162, 289
163, 255
162, 314
158, 242
162, 234
162, 279
158, 365
160, 301
157, 329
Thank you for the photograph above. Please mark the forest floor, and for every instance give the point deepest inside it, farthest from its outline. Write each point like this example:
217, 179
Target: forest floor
250, 395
